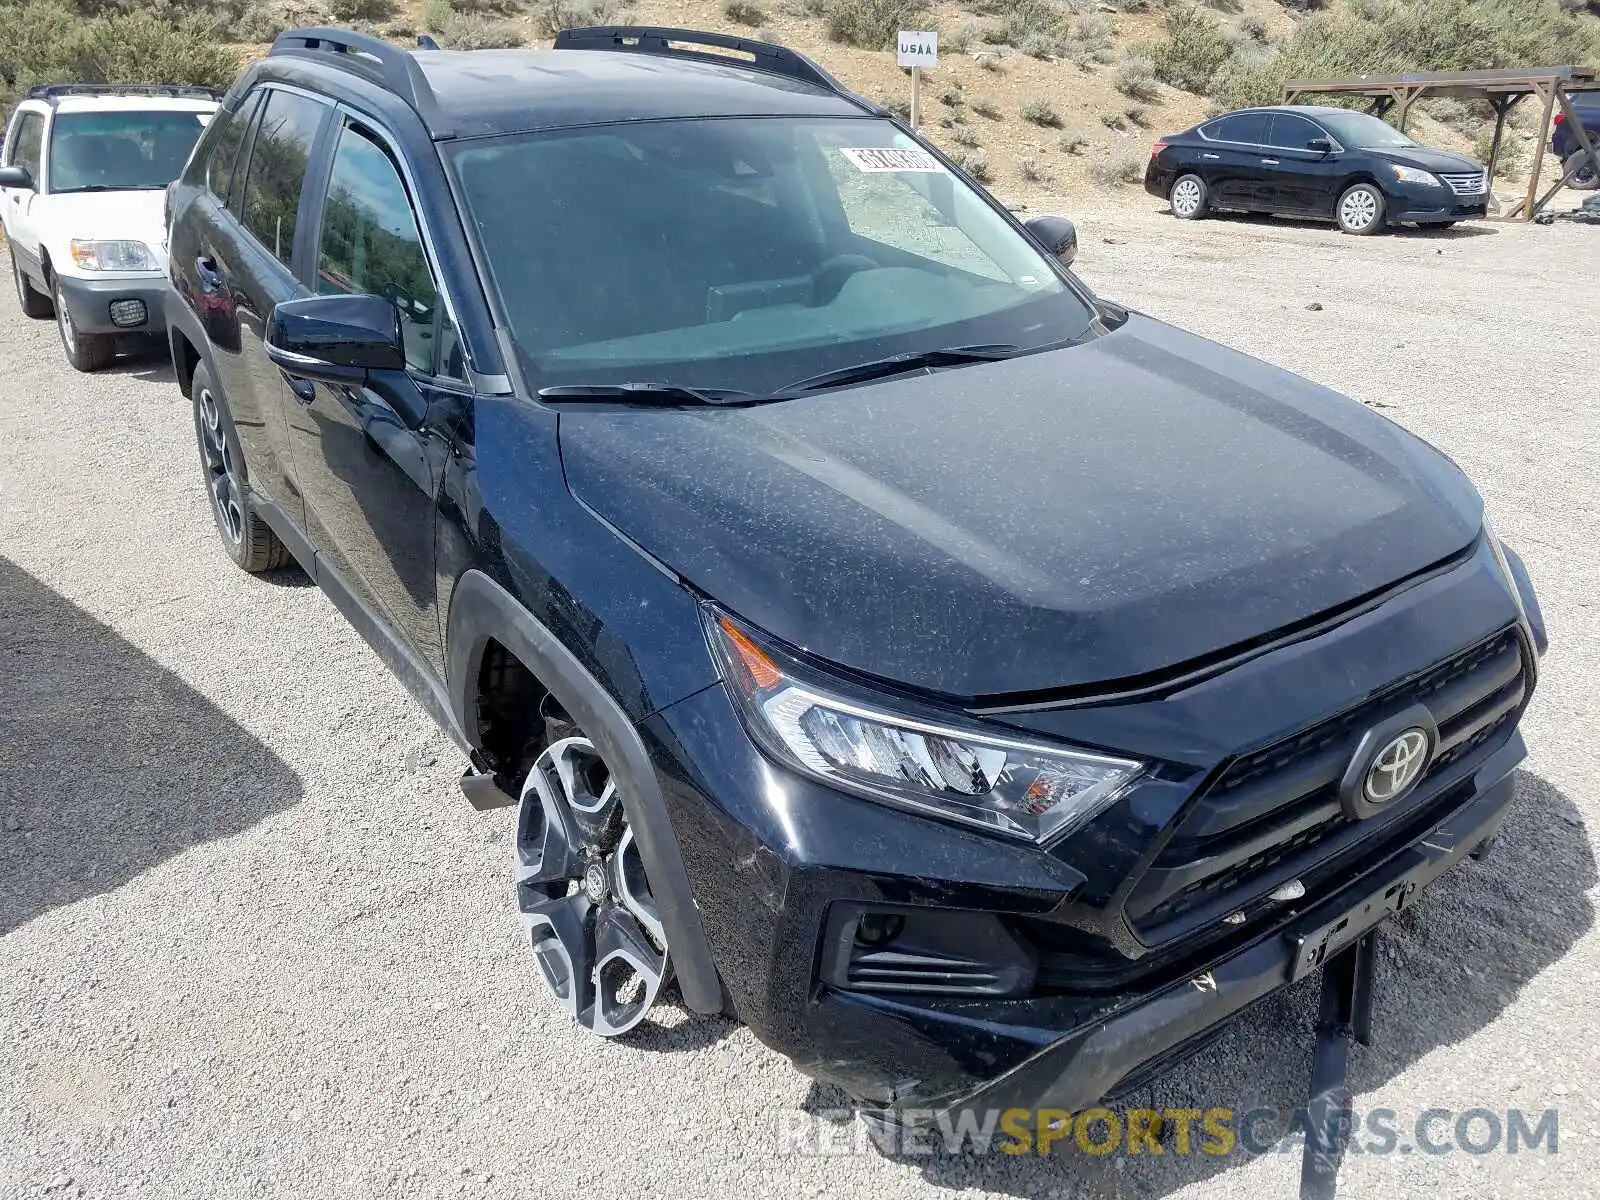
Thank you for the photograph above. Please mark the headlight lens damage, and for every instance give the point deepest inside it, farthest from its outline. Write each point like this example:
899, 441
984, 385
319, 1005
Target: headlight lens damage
1011, 787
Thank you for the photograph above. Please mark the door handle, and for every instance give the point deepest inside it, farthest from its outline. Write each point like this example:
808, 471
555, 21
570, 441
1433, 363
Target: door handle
1269, 162
205, 267
1211, 156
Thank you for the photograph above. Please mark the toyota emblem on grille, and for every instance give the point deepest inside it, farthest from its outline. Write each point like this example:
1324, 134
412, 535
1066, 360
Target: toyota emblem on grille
1396, 766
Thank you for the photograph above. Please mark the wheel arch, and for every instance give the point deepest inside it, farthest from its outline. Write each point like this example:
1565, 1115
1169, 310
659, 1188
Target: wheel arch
482, 614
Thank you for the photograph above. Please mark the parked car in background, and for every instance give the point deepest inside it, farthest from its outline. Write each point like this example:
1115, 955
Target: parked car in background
82, 193
1564, 141
1306, 161
982, 690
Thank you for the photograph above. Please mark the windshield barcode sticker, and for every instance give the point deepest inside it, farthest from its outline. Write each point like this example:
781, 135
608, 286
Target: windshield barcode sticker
875, 159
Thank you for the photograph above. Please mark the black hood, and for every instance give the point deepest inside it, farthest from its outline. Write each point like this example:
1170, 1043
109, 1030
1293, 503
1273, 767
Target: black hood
1430, 159
1063, 519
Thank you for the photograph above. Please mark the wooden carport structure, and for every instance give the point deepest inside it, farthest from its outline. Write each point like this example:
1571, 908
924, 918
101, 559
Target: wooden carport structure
1502, 90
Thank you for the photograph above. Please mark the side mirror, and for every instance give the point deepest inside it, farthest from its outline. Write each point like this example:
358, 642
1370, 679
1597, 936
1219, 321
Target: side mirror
17, 177
1320, 146
337, 339
1057, 235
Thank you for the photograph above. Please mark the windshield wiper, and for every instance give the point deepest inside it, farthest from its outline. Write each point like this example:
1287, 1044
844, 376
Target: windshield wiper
666, 395
898, 364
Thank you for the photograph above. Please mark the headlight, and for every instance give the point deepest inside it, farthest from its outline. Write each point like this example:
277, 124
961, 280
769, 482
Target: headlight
1413, 175
112, 255
1005, 785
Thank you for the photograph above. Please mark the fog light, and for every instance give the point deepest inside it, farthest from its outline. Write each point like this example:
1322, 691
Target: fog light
127, 313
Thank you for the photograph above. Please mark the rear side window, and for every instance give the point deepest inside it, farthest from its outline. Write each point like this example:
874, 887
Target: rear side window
371, 242
223, 153
1292, 132
29, 142
1240, 127
277, 171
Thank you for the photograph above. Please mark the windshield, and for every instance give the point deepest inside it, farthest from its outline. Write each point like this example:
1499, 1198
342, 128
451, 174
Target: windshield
124, 150
746, 252
1358, 131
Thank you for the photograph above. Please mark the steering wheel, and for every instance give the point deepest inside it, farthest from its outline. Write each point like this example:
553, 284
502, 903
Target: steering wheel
831, 274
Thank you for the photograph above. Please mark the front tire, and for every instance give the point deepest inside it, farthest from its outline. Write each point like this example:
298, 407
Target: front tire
1360, 209
246, 537
587, 909
1584, 177
85, 351
34, 303
1190, 198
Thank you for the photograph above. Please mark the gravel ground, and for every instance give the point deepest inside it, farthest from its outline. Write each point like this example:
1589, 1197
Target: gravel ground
253, 943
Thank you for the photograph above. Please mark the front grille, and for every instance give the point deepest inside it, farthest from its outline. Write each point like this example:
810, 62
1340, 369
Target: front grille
1274, 813
1474, 183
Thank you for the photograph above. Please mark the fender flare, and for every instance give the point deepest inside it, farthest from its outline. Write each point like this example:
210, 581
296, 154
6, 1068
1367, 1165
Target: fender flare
481, 610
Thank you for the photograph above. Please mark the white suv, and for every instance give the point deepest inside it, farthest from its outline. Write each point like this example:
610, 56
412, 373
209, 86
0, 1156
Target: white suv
82, 195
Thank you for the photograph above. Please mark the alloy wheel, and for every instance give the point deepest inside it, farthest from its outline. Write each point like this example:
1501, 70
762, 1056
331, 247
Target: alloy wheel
1185, 196
222, 473
1358, 209
586, 905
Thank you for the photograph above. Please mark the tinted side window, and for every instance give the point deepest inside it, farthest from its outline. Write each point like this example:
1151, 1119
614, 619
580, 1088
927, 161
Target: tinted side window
1241, 127
370, 242
1292, 132
222, 154
278, 170
30, 140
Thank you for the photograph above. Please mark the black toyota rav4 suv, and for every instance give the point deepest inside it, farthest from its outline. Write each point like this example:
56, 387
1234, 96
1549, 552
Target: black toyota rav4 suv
981, 690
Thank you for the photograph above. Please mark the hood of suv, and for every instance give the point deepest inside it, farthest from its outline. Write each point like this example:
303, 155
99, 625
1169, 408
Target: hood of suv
1087, 515
1431, 160
134, 215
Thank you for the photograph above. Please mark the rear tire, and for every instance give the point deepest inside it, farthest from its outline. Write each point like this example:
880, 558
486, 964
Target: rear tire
85, 351
34, 303
247, 538
1360, 209
1584, 178
1190, 198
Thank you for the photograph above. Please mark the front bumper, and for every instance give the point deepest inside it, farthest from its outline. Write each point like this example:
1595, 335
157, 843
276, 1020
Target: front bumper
1428, 205
90, 301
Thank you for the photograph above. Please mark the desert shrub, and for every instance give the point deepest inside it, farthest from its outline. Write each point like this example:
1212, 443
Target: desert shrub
900, 106
361, 10
743, 12
1040, 45
1137, 115
964, 138
1192, 52
1040, 112
962, 39
474, 31
1093, 33
950, 96
1073, 144
974, 163
984, 106
870, 24
1036, 27
1033, 171
1513, 151
1136, 76
1225, 6
1113, 120
46, 42
1380, 37
552, 16
1253, 27
1123, 166
260, 23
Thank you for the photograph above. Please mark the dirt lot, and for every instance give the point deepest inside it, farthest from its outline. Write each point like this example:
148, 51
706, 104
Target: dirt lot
253, 943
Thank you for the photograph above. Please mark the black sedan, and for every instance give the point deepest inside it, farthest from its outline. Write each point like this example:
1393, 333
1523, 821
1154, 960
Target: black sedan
1305, 161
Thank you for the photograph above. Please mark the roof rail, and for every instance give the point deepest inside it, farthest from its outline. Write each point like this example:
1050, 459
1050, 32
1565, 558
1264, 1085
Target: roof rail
680, 43
54, 91
378, 61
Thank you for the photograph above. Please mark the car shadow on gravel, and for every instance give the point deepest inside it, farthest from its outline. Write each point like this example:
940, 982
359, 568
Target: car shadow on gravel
1441, 233
143, 358
109, 763
1447, 968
